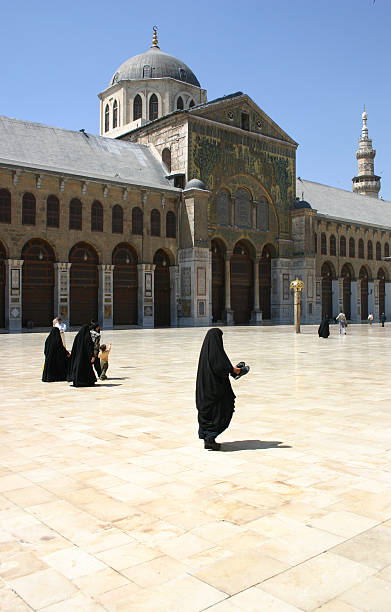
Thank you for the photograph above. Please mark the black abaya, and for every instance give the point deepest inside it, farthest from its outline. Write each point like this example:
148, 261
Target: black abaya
323, 329
215, 399
56, 360
81, 373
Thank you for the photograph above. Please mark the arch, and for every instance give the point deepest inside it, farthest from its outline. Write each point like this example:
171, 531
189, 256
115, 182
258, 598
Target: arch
137, 221
117, 219
153, 107
265, 280
352, 247
115, 114
96, 216
218, 279
333, 245
28, 209
5, 206
52, 211
162, 296
242, 285
342, 247
125, 285
323, 244
166, 158
369, 250
363, 276
378, 251
191, 103
3, 257
155, 222
107, 118
386, 250
361, 254
37, 283
137, 107
83, 283
179, 103
381, 276
75, 214
327, 273
243, 202
170, 224
223, 207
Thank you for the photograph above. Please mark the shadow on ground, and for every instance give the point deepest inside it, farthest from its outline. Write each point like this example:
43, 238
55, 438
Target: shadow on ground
231, 447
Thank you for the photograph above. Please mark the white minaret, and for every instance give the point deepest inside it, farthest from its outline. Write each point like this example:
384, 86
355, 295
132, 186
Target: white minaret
366, 182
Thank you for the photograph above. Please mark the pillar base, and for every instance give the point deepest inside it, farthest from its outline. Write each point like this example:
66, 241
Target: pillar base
228, 317
256, 317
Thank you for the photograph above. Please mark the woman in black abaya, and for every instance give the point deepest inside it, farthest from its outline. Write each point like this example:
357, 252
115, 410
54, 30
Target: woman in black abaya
323, 329
215, 399
81, 373
56, 358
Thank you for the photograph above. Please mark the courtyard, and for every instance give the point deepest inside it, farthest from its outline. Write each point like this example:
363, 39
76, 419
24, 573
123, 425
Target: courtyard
108, 500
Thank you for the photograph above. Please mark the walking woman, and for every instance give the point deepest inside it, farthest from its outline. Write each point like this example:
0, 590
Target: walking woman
215, 399
81, 373
56, 358
324, 327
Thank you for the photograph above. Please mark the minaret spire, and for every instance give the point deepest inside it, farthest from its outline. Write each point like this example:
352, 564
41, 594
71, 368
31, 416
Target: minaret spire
366, 182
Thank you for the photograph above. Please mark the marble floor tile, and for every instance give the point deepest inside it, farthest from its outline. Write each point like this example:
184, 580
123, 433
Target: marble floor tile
372, 595
43, 588
372, 548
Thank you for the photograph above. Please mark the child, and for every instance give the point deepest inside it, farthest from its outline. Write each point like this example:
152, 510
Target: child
104, 359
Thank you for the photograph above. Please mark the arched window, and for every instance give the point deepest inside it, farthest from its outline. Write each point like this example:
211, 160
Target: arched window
182, 74
96, 217
153, 107
243, 202
5, 206
378, 251
170, 225
361, 248
370, 249
147, 72
315, 242
179, 103
342, 246
191, 104
155, 222
386, 250
323, 244
28, 209
52, 211
166, 158
137, 221
137, 107
75, 214
107, 118
117, 219
115, 114
223, 208
352, 248
333, 245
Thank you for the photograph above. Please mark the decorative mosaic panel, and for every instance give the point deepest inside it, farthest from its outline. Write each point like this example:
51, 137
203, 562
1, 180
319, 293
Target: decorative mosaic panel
263, 215
186, 282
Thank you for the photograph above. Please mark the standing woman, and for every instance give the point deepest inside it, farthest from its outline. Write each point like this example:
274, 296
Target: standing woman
215, 399
81, 373
324, 328
56, 358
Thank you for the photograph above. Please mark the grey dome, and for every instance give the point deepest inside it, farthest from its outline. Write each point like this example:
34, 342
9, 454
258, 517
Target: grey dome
301, 204
158, 65
195, 184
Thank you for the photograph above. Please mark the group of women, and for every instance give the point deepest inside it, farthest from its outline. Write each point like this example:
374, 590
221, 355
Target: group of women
76, 366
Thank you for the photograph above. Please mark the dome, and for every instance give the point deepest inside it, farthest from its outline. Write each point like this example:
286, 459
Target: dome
195, 184
301, 204
154, 64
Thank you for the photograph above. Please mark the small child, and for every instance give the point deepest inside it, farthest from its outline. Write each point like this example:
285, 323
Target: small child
104, 359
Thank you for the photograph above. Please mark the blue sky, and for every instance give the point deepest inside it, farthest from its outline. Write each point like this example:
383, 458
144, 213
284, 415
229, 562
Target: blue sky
309, 64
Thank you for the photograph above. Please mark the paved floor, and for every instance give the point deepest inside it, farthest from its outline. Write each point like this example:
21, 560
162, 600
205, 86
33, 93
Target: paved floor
109, 502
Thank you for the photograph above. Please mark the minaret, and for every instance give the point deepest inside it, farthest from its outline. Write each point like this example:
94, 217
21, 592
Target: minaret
366, 182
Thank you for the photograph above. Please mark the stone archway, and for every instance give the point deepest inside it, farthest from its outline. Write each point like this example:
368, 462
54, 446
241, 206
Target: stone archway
2, 285
347, 275
37, 283
218, 280
242, 284
327, 274
125, 285
84, 283
363, 276
162, 295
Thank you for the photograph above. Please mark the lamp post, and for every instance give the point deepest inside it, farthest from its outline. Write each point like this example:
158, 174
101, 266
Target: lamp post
297, 287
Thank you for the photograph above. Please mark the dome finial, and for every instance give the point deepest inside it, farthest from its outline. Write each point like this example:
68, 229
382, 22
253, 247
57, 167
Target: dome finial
364, 130
154, 37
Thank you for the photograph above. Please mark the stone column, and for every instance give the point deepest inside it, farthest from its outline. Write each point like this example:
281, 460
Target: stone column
335, 298
61, 290
256, 315
374, 303
340, 295
228, 313
355, 300
174, 295
146, 294
105, 299
13, 294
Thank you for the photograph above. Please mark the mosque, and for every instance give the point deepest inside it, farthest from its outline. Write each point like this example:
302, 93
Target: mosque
182, 212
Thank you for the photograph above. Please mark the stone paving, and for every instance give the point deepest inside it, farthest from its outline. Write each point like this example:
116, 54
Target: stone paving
108, 500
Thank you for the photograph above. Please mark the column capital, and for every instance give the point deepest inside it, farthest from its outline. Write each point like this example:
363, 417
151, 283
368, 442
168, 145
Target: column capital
106, 267
62, 266
15, 263
147, 267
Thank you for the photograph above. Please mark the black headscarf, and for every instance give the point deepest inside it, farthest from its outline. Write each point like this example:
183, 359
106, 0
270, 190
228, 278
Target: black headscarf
323, 329
56, 361
80, 367
215, 399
